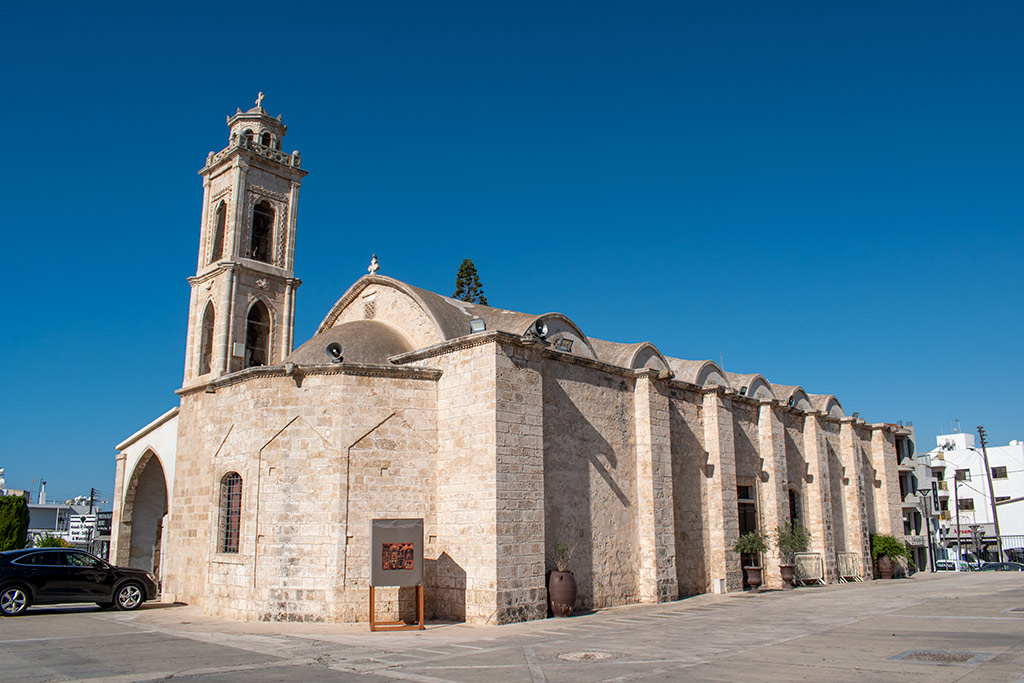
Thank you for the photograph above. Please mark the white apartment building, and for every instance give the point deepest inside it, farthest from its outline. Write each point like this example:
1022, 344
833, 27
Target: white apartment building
965, 502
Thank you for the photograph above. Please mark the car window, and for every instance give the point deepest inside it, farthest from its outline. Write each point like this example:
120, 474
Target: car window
43, 558
82, 560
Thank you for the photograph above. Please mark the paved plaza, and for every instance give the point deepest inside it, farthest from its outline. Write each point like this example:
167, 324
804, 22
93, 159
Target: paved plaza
944, 627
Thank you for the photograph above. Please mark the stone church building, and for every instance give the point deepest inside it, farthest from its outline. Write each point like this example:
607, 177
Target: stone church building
506, 432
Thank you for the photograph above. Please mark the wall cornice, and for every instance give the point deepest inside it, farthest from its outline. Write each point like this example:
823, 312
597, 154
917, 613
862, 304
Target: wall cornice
300, 371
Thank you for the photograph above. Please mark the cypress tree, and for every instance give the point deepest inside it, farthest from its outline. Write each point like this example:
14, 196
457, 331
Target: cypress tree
467, 284
13, 522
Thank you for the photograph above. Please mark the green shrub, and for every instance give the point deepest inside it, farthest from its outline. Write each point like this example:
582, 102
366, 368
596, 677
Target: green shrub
884, 544
751, 543
790, 539
53, 542
13, 522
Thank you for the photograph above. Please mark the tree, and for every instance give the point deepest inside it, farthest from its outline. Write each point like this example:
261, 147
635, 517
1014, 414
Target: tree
13, 522
467, 284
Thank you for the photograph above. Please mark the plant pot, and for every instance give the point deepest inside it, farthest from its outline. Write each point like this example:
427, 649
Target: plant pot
562, 593
885, 567
753, 578
787, 571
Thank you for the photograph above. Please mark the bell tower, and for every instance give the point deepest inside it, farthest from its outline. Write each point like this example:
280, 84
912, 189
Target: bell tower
242, 308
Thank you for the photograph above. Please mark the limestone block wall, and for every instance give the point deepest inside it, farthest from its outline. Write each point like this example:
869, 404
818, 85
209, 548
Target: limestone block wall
590, 479
519, 481
308, 450
722, 518
466, 582
774, 491
656, 540
689, 472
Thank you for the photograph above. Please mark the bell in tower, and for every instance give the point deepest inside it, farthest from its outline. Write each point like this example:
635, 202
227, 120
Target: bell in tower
242, 309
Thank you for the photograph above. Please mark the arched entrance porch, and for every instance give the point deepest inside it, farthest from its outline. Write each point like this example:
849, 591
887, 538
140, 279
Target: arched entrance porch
142, 516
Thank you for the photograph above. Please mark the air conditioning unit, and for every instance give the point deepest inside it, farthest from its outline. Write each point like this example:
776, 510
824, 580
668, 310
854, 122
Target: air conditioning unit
944, 514
940, 456
943, 485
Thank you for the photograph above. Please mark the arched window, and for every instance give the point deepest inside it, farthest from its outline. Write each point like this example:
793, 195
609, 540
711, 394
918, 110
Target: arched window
206, 343
230, 512
257, 336
218, 233
265, 139
248, 135
262, 232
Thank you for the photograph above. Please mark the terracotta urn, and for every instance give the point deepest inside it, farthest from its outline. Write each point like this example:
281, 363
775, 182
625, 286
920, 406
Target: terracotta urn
562, 593
885, 567
753, 578
787, 571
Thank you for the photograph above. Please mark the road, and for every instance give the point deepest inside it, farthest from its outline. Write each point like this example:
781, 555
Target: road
944, 627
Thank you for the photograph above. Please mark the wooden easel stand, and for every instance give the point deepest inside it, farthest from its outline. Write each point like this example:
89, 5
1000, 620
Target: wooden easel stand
396, 625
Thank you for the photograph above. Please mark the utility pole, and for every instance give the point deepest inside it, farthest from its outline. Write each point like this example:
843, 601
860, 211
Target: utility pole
991, 492
956, 507
92, 497
928, 526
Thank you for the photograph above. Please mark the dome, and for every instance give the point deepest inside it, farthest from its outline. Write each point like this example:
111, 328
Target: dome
366, 341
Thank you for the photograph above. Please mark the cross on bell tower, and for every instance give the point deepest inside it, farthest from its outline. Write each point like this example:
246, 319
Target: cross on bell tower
242, 308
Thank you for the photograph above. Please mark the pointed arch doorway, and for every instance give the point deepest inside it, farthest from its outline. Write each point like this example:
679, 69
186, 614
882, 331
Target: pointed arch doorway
143, 515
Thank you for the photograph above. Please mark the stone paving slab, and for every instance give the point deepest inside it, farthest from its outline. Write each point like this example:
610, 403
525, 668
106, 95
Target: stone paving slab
854, 632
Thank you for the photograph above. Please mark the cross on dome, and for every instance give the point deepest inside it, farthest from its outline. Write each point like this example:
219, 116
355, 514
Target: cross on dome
259, 100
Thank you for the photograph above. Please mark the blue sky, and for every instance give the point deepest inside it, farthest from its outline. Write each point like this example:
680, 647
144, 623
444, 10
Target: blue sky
826, 193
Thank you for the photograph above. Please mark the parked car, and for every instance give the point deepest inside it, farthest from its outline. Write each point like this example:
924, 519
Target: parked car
47, 576
1003, 567
950, 566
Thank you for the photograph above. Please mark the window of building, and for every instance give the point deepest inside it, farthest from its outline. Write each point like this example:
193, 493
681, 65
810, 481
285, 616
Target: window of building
999, 472
963, 475
230, 512
257, 336
206, 340
794, 505
218, 233
939, 474
944, 504
248, 135
966, 503
265, 139
262, 232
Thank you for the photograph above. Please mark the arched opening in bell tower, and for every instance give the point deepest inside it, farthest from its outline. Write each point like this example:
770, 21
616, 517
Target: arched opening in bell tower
262, 235
257, 336
220, 218
206, 341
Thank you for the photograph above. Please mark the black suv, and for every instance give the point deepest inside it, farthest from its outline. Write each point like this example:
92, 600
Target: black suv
45, 576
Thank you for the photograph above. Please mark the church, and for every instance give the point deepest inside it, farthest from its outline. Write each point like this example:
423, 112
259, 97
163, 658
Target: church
505, 432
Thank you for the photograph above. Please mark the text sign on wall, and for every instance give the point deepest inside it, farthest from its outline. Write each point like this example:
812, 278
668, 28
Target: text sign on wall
396, 552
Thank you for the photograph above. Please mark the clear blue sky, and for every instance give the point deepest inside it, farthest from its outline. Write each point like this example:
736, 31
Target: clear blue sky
826, 193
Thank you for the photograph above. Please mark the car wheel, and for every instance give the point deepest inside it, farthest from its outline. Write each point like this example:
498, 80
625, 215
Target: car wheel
13, 601
129, 596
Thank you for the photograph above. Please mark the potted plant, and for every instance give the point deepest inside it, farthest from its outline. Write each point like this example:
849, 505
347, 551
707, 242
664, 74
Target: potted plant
752, 543
885, 550
790, 539
561, 582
